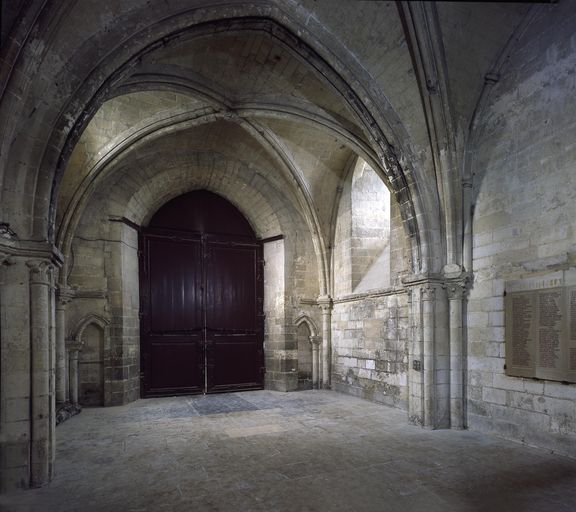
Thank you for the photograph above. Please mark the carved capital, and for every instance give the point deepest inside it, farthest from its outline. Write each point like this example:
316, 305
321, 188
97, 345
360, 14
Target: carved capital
7, 232
316, 341
74, 346
40, 271
428, 291
456, 289
65, 294
7, 259
325, 303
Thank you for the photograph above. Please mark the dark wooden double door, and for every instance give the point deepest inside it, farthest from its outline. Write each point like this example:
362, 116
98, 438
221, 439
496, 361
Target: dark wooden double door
201, 312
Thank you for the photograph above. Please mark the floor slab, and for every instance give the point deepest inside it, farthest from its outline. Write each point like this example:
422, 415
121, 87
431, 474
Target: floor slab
271, 451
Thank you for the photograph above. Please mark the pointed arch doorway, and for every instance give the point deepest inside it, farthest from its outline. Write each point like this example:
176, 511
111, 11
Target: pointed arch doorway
201, 299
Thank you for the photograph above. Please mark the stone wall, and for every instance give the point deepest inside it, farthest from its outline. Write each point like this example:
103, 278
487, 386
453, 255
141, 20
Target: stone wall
370, 244
524, 225
103, 263
370, 354
370, 317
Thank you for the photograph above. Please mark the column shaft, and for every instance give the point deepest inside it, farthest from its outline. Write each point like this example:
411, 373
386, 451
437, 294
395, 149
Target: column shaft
325, 303
41, 414
74, 376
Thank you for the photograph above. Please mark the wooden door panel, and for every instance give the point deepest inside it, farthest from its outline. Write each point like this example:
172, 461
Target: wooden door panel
174, 366
234, 362
176, 291
201, 297
231, 287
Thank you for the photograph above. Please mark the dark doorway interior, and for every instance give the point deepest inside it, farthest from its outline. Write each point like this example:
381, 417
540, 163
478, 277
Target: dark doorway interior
201, 299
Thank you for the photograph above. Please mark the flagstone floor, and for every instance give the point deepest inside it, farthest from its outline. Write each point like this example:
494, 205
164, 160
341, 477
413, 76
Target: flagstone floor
274, 452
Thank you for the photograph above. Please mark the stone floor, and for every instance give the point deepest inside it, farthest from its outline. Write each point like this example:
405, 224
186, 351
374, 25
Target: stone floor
274, 452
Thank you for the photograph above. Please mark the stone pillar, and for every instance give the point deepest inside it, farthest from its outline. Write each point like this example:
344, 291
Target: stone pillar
415, 358
428, 298
456, 292
315, 341
62, 391
42, 415
73, 349
429, 373
325, 303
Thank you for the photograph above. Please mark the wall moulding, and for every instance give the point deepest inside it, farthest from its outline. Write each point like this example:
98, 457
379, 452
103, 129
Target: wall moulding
31, 250
374, 294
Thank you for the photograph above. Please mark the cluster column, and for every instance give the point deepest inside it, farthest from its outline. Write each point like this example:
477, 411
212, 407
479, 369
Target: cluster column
429, 353
436, 350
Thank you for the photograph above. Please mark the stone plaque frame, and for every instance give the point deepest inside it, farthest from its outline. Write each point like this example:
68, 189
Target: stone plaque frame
540, 327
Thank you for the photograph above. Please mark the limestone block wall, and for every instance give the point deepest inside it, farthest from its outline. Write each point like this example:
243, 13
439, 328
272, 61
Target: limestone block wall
524, 225
370, 355
278, 359
104, 275
370, 315
15, 374
361, 254
370, 243
104, 268
342, 251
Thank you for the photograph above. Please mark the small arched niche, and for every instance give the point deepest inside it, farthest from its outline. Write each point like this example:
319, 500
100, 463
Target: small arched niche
304, 356
91, 366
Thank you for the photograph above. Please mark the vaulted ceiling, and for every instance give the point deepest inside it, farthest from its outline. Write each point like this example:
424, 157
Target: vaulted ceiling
244, 93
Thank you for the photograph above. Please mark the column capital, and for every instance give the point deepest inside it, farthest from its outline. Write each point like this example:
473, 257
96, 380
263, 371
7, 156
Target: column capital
423, 285
7, 259
7, 232
40, 271
74, 346
65, 294
455, 290
457, 287
455, 284
316, 341
325, 302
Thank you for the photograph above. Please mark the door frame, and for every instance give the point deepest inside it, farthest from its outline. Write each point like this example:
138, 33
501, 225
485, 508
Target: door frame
144, 235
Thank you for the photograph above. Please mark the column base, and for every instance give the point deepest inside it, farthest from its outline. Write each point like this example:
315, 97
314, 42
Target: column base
66, 410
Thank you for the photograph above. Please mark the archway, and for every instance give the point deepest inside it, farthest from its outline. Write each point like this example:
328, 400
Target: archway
201, 294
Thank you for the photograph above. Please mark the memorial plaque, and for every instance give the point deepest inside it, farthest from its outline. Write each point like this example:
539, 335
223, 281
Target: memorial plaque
521, 311
571, 331
540, 328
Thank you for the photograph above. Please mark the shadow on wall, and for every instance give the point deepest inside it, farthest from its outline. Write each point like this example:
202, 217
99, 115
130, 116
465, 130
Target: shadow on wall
370, 236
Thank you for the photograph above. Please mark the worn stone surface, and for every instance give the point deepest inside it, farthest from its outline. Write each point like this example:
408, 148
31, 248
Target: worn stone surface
464, 112
313, 450
524, 225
